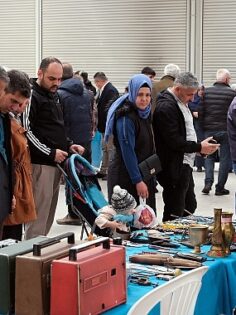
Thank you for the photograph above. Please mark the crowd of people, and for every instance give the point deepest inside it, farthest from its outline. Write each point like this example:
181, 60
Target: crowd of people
44, 120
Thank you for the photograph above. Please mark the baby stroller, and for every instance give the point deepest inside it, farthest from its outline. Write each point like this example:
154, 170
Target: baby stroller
84, 193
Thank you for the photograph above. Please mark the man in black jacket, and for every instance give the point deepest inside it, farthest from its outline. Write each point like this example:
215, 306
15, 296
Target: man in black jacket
213, 118
107, 93
176, 144
48, 144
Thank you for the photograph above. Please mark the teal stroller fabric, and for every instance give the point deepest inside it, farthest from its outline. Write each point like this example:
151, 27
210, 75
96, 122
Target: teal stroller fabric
83, 191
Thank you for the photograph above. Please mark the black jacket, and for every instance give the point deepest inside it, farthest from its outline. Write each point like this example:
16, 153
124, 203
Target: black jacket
6, 171
109, 94
44, 123
170, 137
214, 106
88, 85
77, 110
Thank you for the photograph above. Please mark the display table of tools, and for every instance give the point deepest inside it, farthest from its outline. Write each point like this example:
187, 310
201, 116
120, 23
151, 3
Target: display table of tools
154, 257
61, 276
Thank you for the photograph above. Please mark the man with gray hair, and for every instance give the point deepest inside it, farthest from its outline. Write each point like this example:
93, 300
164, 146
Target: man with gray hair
176, 145
171, 71
213, 110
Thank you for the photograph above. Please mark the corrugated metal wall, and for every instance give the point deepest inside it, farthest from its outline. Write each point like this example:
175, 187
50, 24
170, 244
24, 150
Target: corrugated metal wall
17, 35
117, 37
219, 44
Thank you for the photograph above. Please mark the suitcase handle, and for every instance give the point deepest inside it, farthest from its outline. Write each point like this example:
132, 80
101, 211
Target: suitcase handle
53, 240
105, 241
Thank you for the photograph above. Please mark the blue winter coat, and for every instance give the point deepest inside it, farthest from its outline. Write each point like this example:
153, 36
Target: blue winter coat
77, 109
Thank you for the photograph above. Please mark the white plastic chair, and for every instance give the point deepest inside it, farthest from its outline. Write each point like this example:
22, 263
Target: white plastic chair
176, 297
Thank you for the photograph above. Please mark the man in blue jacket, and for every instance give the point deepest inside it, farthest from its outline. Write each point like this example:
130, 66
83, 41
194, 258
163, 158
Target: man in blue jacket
77, 105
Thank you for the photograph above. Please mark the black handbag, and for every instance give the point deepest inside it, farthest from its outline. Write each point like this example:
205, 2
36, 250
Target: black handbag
150, 167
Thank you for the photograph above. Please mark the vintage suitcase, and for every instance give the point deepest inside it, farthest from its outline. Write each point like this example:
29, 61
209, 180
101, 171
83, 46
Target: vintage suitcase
7, 272
8, 242
90, 281
33, 275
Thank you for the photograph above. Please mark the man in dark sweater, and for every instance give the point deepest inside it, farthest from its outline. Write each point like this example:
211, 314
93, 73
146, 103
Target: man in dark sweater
213, 110
48, 144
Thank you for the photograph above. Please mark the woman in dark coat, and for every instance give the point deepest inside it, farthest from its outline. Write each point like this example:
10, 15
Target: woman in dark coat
129, 120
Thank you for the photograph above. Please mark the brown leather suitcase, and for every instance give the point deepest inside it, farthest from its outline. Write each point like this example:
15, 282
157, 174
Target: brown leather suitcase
7, 272
33, 275
90, 281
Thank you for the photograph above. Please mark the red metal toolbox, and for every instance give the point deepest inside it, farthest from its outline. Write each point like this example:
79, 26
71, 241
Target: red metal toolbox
90, 281
33, 275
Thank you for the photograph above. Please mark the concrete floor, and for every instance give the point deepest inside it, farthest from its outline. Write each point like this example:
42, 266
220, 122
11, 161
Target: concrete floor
206, 203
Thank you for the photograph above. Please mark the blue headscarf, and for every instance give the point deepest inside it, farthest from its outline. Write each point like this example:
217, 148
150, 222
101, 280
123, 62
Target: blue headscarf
135, 83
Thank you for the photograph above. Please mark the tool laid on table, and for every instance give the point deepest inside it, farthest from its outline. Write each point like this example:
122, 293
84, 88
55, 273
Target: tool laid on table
164, 259
165, 277
165, 244
142, 280
192, 256
163, 249
144, 272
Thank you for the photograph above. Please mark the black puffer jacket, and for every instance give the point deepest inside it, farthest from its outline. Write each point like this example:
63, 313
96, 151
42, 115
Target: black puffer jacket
6, 170
214, 107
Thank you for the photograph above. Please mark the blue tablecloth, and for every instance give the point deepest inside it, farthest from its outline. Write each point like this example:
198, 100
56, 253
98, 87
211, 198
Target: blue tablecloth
218, 291
217, 295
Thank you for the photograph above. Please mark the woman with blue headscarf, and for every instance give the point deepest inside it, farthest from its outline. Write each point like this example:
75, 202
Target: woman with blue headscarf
129, 121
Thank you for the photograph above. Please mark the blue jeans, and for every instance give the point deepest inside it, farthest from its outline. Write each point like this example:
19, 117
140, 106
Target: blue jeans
96, 147
234, 167
224, 160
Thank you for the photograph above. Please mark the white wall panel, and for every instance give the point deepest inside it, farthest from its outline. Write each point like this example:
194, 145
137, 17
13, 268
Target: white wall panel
219, 45
117, 37
17, 35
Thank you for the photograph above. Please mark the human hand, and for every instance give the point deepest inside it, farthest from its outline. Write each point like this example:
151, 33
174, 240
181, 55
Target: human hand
142, 190
207, 147
13, 203
114, 225
60, 156
76, 148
